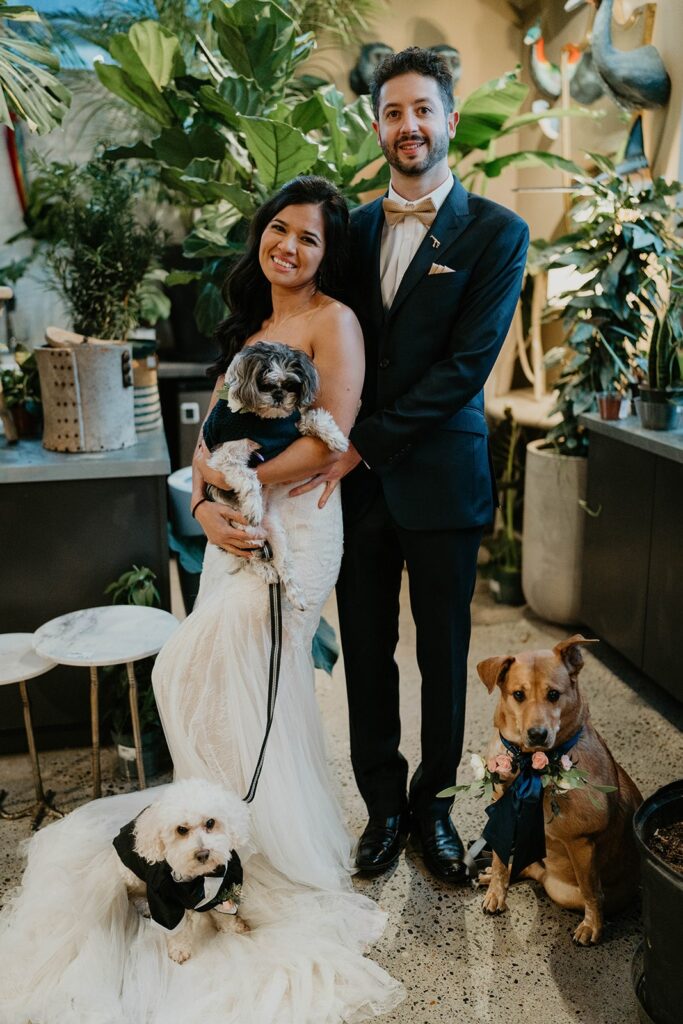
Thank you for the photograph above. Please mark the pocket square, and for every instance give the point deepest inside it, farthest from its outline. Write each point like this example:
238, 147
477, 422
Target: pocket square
439, 268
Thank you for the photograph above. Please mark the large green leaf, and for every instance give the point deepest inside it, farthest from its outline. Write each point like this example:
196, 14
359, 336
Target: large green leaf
178, 147
485, 111
280, 151
158, 51
140, 94
528, 158
232, 97
149, 57
258, 39
530, 118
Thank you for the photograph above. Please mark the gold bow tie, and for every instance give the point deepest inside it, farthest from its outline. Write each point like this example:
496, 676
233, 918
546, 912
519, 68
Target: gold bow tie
425, 211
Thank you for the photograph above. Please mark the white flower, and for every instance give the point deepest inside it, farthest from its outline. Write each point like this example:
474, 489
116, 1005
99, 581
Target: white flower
478, 766
564, 784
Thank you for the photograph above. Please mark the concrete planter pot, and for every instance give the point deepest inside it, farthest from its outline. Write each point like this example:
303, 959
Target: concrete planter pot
552, 535
87, 397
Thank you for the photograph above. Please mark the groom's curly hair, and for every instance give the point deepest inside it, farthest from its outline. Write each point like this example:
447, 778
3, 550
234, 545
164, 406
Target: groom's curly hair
247, 291
419, 61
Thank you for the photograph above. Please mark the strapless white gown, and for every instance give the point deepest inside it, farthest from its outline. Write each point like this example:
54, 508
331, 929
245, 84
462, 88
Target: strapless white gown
72, 950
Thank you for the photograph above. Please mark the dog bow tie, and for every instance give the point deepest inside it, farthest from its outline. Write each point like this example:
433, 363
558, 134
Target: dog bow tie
394, 212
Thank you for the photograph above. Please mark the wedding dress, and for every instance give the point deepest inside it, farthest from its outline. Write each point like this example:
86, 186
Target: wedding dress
73, 951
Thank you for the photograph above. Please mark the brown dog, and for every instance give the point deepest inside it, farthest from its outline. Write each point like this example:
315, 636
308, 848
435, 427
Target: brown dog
591, 862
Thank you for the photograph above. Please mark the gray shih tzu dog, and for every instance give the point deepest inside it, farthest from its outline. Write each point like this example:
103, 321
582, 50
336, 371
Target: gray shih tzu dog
266, 404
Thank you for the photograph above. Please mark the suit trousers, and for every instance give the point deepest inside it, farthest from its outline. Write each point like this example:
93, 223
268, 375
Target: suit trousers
442, 567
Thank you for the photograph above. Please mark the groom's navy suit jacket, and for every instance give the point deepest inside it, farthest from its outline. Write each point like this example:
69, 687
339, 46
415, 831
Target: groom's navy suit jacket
421, 427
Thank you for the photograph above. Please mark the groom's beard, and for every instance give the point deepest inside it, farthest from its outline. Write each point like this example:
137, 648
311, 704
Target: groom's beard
435, 150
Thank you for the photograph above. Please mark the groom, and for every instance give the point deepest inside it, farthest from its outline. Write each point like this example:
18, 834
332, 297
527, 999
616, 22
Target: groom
437, 277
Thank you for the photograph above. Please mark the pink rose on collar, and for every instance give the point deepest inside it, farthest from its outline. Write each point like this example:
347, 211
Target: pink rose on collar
566, 762
539, 760
502, 763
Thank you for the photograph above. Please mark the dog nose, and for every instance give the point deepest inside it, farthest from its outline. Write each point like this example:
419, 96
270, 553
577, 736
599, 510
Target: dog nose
278, 395
537, 737
202, 856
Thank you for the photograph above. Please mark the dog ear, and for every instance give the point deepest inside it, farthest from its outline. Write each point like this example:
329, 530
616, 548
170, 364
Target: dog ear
235, 382
570, 653
310, 381
148, 841
493, 671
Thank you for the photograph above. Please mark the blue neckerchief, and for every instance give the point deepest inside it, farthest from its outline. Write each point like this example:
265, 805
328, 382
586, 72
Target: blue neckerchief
515, 828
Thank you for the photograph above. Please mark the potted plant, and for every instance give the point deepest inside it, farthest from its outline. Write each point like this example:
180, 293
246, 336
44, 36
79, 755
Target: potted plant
657, 977
504, 568
136, 586
102, 260
20, 387
613, 405
625, 251
658, 401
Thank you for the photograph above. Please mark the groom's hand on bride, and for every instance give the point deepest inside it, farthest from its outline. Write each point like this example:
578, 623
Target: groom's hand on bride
217, 523
330, 477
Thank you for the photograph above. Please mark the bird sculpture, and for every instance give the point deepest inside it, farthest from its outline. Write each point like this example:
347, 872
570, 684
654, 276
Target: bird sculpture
545, 75
635, 79
452, 58
586, 85
369, 57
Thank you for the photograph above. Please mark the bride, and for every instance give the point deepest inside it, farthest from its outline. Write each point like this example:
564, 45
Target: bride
72, 949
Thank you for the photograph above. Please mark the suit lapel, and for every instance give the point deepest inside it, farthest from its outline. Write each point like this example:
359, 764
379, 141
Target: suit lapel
374, 241
449, 223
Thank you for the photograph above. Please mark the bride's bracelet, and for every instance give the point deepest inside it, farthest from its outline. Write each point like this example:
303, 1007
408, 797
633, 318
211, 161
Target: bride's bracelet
196, 506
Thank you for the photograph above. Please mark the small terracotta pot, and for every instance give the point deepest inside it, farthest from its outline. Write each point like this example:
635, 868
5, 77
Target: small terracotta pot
613, 407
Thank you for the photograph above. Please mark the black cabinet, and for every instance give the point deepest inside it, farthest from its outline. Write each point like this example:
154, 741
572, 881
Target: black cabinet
632, 591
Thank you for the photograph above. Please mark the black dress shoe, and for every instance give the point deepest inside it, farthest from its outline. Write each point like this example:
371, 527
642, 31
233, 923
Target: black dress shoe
381, 843
441, 848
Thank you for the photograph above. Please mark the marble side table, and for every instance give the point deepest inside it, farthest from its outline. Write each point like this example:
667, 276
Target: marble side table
19, 662
113, 635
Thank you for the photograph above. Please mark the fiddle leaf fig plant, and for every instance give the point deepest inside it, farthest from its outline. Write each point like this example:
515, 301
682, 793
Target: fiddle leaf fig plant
624, 247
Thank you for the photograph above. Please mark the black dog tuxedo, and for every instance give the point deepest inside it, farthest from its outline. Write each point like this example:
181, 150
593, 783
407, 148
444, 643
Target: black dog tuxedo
168, 900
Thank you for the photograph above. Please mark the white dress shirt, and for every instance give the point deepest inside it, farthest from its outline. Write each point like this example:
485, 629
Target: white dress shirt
401, 241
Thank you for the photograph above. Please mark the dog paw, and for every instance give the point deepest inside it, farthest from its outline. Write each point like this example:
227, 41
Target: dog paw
587, 934
494, 901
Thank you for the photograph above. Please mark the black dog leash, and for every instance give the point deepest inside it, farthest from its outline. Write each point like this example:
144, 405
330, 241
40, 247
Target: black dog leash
275, 597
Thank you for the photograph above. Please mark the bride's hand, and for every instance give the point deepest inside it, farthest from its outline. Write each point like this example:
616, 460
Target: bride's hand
215, 520
331, 477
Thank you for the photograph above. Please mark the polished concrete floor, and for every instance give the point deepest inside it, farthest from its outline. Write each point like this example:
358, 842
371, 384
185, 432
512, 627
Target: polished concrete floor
456, 963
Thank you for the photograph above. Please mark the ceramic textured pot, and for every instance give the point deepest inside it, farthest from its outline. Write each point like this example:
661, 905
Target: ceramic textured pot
552, 534
657, 975
87, 397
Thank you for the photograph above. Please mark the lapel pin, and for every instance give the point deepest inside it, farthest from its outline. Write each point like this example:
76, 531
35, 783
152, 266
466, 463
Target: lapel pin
435, 242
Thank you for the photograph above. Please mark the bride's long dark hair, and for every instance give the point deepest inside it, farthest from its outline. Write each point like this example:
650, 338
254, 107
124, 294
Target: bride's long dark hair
247, 290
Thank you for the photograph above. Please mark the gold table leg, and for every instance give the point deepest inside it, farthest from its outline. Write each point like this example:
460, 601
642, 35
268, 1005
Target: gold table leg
43, 803
135, 718
95, 729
